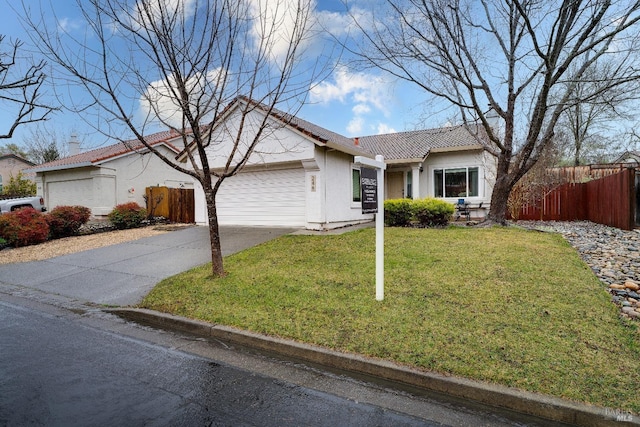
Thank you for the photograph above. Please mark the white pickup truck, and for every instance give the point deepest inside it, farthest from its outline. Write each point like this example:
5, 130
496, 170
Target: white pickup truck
35, 202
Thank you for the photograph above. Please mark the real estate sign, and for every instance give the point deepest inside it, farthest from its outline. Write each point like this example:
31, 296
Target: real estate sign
369, 189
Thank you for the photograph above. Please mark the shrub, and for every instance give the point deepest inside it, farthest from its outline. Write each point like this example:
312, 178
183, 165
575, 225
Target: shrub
127, 215
65, 221
19, 186
398, 212
23, 227
432, 212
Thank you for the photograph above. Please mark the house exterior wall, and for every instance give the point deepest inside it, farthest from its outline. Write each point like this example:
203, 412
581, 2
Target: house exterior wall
102, 187
135, 172
326, 182
10, 166
485, 162
278, 144
340, 209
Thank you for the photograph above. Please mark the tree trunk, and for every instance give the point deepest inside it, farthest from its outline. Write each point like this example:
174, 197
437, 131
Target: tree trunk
499, 200
217, 268
501, 191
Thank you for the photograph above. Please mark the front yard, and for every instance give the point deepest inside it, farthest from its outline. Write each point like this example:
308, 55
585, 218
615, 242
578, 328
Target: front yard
506, 306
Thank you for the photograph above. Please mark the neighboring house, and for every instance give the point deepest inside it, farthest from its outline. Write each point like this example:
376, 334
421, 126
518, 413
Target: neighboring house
304, 175
105, 177
10, 166
632, 157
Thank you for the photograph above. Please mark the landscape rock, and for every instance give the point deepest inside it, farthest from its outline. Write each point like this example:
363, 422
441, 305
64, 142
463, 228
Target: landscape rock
631, 285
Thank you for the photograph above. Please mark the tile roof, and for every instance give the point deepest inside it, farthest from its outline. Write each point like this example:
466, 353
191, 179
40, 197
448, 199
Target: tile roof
419, 143
398, 146
394, 146
92, 157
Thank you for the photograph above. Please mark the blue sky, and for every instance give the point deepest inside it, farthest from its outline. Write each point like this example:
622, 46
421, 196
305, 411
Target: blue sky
350, 102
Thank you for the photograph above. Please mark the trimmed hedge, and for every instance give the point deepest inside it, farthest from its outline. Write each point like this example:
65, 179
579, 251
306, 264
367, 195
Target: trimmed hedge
65, 221
427, 212
432, 212
398, 212
127, 215
24, 227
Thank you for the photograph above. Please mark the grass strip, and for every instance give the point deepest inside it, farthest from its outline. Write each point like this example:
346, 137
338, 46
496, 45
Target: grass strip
502, 305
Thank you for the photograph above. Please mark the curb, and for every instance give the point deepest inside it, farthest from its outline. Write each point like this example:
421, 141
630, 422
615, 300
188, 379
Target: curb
524, 402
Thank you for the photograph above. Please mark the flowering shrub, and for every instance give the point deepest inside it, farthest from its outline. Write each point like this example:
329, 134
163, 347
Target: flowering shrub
127, 215
65, 221
23, 227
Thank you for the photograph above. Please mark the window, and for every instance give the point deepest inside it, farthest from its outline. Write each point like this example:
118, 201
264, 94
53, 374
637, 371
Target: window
456, 182
409, 185
355, 185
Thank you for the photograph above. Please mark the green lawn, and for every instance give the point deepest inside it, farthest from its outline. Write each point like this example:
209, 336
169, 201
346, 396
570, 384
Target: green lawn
502, 305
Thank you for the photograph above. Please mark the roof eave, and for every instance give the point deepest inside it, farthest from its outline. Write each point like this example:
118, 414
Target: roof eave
403, 161
459, 148
60, 167
355, 151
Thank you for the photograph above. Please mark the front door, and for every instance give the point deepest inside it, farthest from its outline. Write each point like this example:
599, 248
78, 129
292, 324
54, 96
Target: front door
395, 185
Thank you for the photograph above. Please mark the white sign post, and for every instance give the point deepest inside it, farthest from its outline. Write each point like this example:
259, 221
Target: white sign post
380, 167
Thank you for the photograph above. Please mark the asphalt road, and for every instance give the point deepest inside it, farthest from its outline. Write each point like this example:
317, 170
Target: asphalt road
56, 371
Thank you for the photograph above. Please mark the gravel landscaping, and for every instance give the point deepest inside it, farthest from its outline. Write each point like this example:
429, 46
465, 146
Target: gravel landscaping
93, 235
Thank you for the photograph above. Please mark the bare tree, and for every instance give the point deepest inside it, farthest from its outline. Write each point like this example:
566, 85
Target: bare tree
20, 89
186, 62
521, 58
593, 118
44, 144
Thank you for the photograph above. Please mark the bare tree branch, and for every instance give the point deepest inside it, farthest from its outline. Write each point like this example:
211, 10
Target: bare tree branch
522, 58
187, 65
21, 89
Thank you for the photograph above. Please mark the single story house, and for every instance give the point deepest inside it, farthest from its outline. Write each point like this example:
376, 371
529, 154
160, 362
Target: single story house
104, 177
11, 165
304, 175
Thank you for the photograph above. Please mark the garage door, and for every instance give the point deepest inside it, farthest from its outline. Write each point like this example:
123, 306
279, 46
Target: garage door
263, 198
69, 193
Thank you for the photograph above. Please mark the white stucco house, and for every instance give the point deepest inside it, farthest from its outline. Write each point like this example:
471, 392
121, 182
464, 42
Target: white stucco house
304, 175
104, 177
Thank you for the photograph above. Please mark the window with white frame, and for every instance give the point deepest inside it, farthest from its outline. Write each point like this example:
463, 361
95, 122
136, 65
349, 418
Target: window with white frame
456, 182
356, 196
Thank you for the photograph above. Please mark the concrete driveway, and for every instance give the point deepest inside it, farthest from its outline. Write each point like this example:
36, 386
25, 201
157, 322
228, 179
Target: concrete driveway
123, 274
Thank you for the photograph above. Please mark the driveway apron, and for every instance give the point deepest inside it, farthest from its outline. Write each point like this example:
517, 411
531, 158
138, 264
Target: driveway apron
123, 274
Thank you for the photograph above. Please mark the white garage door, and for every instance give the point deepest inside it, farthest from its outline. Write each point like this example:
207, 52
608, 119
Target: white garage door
70, 193
263, 198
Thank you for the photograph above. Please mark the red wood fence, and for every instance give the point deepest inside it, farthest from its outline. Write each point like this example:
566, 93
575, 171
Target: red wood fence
176, 204
610, 200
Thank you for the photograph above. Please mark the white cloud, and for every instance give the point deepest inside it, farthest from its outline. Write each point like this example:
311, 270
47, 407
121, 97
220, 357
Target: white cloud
356, 125
67, 25
360, 109
369, 92
158, 102
147, 10
277, 23
383, 128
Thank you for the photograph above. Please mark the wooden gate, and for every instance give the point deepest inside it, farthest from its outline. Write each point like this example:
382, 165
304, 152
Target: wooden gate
175, 204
